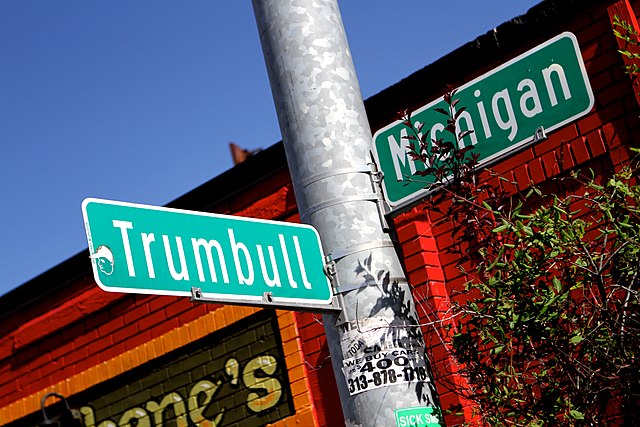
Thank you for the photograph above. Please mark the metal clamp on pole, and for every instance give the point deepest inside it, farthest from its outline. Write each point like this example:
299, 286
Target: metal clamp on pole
331, 271
383, 207
332, 173
337, 201
337, 255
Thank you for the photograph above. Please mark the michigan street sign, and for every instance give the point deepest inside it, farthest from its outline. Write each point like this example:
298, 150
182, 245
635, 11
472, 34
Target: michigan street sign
153, 250
545, 87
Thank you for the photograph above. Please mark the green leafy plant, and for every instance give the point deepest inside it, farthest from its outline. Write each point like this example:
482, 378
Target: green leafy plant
547, 327
624, 31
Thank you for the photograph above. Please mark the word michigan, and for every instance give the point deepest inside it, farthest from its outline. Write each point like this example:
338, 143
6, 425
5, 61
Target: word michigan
546, 87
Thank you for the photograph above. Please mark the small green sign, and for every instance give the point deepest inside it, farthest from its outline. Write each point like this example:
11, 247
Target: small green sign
426, 416
545, 87
154, 250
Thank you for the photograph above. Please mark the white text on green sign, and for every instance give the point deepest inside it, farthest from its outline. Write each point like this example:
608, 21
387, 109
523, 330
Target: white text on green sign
425, 416
153, 250
544, 87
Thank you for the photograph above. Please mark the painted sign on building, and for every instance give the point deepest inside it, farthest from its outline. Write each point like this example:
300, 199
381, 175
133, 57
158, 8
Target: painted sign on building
235, 376
545, 87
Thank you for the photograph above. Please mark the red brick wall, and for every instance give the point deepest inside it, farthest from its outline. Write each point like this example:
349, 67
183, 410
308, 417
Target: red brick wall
599, 140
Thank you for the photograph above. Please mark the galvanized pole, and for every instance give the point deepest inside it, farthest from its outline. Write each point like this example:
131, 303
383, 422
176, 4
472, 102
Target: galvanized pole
377, 349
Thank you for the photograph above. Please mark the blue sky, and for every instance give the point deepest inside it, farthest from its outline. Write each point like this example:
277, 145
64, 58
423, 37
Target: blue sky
137, 100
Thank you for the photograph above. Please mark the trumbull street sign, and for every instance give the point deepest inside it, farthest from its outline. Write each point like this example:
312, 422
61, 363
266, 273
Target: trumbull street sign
153, 250
546, 87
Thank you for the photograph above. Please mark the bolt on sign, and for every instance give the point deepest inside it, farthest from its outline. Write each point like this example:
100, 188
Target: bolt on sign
152, 250
546, 87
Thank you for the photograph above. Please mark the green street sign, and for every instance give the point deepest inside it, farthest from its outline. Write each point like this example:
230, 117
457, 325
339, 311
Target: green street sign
546, 87
425, 416
154, 250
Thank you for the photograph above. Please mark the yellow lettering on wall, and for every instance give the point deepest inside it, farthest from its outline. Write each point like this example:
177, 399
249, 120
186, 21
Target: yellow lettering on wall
90, 418
179, 409
139, 414
262, 365
195, 409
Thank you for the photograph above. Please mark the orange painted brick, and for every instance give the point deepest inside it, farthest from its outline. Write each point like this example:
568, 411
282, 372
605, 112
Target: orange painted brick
192, 329
297, 374
288, 333
290, 347
298, 387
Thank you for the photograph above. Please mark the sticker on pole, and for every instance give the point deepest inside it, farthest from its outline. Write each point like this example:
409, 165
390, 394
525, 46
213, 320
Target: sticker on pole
384, 368
425, 416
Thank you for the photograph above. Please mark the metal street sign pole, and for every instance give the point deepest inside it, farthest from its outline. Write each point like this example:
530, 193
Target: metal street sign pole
211, 258
377, 348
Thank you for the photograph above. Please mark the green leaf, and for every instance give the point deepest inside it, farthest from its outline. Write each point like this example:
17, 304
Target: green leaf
500, 228
576, 339
576, 415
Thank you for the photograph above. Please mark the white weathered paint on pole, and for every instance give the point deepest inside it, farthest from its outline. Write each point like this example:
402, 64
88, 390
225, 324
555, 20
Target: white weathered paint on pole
327, 141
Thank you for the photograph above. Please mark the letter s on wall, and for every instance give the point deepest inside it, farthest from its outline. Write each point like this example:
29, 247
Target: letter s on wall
267, 365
